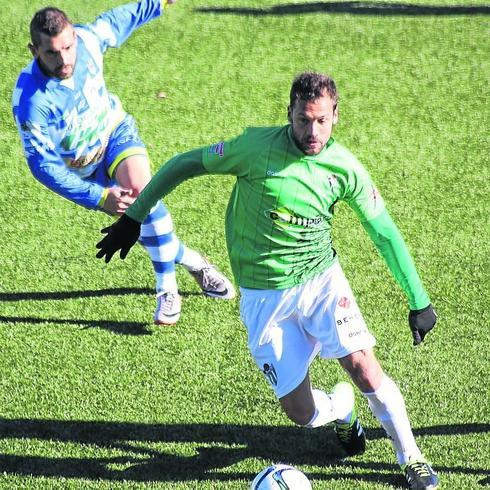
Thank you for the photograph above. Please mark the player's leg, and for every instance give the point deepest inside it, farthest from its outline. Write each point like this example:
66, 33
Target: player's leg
313, 408
283, 351
157, 237
388, 406
330, 314
127, 163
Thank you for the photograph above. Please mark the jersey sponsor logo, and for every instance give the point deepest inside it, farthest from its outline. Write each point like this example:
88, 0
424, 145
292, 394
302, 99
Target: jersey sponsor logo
283, 218
217, 149
85, 143
92, 156
270, 373
83, 132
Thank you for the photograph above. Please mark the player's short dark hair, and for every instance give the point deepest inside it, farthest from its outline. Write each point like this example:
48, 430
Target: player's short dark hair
310, 86
49, 21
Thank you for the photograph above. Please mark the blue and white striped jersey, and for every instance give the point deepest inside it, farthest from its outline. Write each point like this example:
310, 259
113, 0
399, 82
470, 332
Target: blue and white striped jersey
65, 124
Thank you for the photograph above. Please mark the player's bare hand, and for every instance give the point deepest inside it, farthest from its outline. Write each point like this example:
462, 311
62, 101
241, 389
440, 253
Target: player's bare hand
118, 200
421, 323
122, 235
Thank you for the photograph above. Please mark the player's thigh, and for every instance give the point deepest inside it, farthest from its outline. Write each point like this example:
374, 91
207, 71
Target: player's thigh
133, 173
281, 348
333, 316
126, 159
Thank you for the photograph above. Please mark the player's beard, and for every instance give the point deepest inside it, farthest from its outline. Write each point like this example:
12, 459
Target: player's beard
310, 146
65, 72
61, 72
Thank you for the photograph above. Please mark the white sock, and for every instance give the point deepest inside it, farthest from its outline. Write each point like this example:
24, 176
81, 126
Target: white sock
192, 260
388, 407
324, 410
344, 401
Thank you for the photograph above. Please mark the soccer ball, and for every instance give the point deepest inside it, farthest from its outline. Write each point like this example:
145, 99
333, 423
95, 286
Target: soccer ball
280, 477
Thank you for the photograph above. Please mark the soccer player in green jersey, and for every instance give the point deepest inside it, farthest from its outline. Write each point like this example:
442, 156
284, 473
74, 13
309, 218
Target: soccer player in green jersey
295, 300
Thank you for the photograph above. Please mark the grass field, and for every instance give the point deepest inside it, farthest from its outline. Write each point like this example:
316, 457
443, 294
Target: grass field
92, 395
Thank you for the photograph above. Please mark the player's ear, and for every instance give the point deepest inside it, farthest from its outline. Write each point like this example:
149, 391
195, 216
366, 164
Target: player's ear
336, 114
32, 49
290, 114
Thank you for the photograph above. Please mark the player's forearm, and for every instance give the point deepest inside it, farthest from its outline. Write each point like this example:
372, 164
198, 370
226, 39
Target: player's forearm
122, 21
64, 183
174, 172
390, 244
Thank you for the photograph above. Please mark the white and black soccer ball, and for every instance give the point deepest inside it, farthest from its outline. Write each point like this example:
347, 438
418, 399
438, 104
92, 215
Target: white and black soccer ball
281, 477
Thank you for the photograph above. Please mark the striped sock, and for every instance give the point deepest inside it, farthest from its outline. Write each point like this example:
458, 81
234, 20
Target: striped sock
162, 245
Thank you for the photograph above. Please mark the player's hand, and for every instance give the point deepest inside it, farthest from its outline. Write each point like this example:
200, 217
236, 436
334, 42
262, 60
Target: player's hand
421, 323
118, 200
122, 235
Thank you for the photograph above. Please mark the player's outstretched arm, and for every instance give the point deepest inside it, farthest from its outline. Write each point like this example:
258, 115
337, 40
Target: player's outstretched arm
122, 235
392, 247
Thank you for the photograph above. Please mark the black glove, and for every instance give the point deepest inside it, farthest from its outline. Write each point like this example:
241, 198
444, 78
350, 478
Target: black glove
421, 323
123, 234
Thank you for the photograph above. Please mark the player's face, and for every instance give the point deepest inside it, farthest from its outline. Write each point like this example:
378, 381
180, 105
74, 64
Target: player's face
312, 122
57, 55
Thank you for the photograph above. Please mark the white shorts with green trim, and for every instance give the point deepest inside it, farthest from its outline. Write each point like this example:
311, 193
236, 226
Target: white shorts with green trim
288, 328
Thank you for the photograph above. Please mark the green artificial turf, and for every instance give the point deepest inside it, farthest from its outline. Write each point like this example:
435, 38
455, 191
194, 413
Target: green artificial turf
93, 395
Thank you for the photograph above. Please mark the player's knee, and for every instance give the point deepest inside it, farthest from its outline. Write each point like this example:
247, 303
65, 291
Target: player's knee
364, 369
136, 190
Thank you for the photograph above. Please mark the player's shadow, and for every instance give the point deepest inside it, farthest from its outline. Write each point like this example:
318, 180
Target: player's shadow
140, 454
353, 7
61, 295
115, 326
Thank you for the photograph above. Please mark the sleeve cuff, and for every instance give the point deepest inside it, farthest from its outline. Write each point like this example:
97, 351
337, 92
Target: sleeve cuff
105, 193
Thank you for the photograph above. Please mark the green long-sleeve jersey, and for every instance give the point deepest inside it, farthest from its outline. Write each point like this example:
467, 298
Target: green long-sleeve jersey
279, 216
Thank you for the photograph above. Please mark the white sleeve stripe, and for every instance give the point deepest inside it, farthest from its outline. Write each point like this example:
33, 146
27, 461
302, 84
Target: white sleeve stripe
16, 96
92, 43
104, 31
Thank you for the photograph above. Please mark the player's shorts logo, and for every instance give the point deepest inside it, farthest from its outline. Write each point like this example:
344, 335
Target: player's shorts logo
270, 373
344, 302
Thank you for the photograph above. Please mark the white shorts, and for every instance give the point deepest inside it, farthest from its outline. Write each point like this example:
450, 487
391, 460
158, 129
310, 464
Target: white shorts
287, 328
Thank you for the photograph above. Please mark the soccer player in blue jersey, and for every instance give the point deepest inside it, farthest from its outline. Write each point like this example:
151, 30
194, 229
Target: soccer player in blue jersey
81, 144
